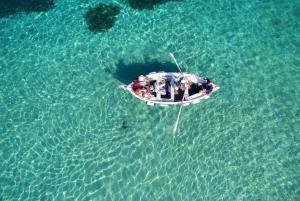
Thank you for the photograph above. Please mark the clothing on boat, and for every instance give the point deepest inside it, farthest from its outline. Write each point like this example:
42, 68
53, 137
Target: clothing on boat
142, 80
208, 88
154, 88
136, 86
165, 90
146, 95
200, 88
147, 91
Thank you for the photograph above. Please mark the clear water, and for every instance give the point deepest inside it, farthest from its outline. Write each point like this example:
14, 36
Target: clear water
69, 133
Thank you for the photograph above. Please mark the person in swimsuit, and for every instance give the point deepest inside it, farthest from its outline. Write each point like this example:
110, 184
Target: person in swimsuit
143, 95
139, 93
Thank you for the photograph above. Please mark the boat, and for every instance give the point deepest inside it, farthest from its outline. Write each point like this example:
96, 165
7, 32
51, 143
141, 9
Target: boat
176, 95
179, 88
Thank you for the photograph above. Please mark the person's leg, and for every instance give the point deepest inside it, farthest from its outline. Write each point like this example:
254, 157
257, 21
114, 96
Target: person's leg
162, 92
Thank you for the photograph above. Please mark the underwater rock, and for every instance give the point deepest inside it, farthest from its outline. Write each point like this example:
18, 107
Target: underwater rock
102, 17
125, 125
144, 4
9, 7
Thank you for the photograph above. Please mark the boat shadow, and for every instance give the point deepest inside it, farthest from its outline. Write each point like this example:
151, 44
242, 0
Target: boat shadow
125, 73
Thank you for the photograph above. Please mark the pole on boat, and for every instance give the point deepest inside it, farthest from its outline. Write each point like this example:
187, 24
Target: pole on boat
176, 124
176, 63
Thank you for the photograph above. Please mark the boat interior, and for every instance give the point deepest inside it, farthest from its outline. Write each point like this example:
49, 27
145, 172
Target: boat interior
172, 85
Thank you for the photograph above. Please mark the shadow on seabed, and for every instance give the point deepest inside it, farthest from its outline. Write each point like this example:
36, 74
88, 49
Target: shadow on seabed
126, 73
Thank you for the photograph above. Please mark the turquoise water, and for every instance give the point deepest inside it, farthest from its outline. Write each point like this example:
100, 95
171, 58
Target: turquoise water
69, 133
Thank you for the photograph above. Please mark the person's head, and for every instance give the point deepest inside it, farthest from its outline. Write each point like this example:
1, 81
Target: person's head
138, 91
163, 82
199, 84
135, 80
209, 83
147, 82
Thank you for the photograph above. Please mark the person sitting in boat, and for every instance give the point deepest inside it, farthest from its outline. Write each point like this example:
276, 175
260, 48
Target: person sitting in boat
181, 83
148, 95
184, 84
155, 88
161, 88
139, 93
148, 85
146, 90
142, 80
200, 87
177, 83
208, 86
136, 85
143, 94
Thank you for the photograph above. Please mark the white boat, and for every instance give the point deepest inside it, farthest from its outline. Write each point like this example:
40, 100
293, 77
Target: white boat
176, 95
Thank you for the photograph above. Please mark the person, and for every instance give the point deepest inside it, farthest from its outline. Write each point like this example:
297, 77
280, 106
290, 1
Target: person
148, 96
146, 90
162, 88
208, 86
176, 83
200, 87
154, 87
139, 93
143, 94
184, 84
136, 85
147, 86
142, 80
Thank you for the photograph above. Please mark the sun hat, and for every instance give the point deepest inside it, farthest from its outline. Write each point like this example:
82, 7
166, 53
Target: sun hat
142, 78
